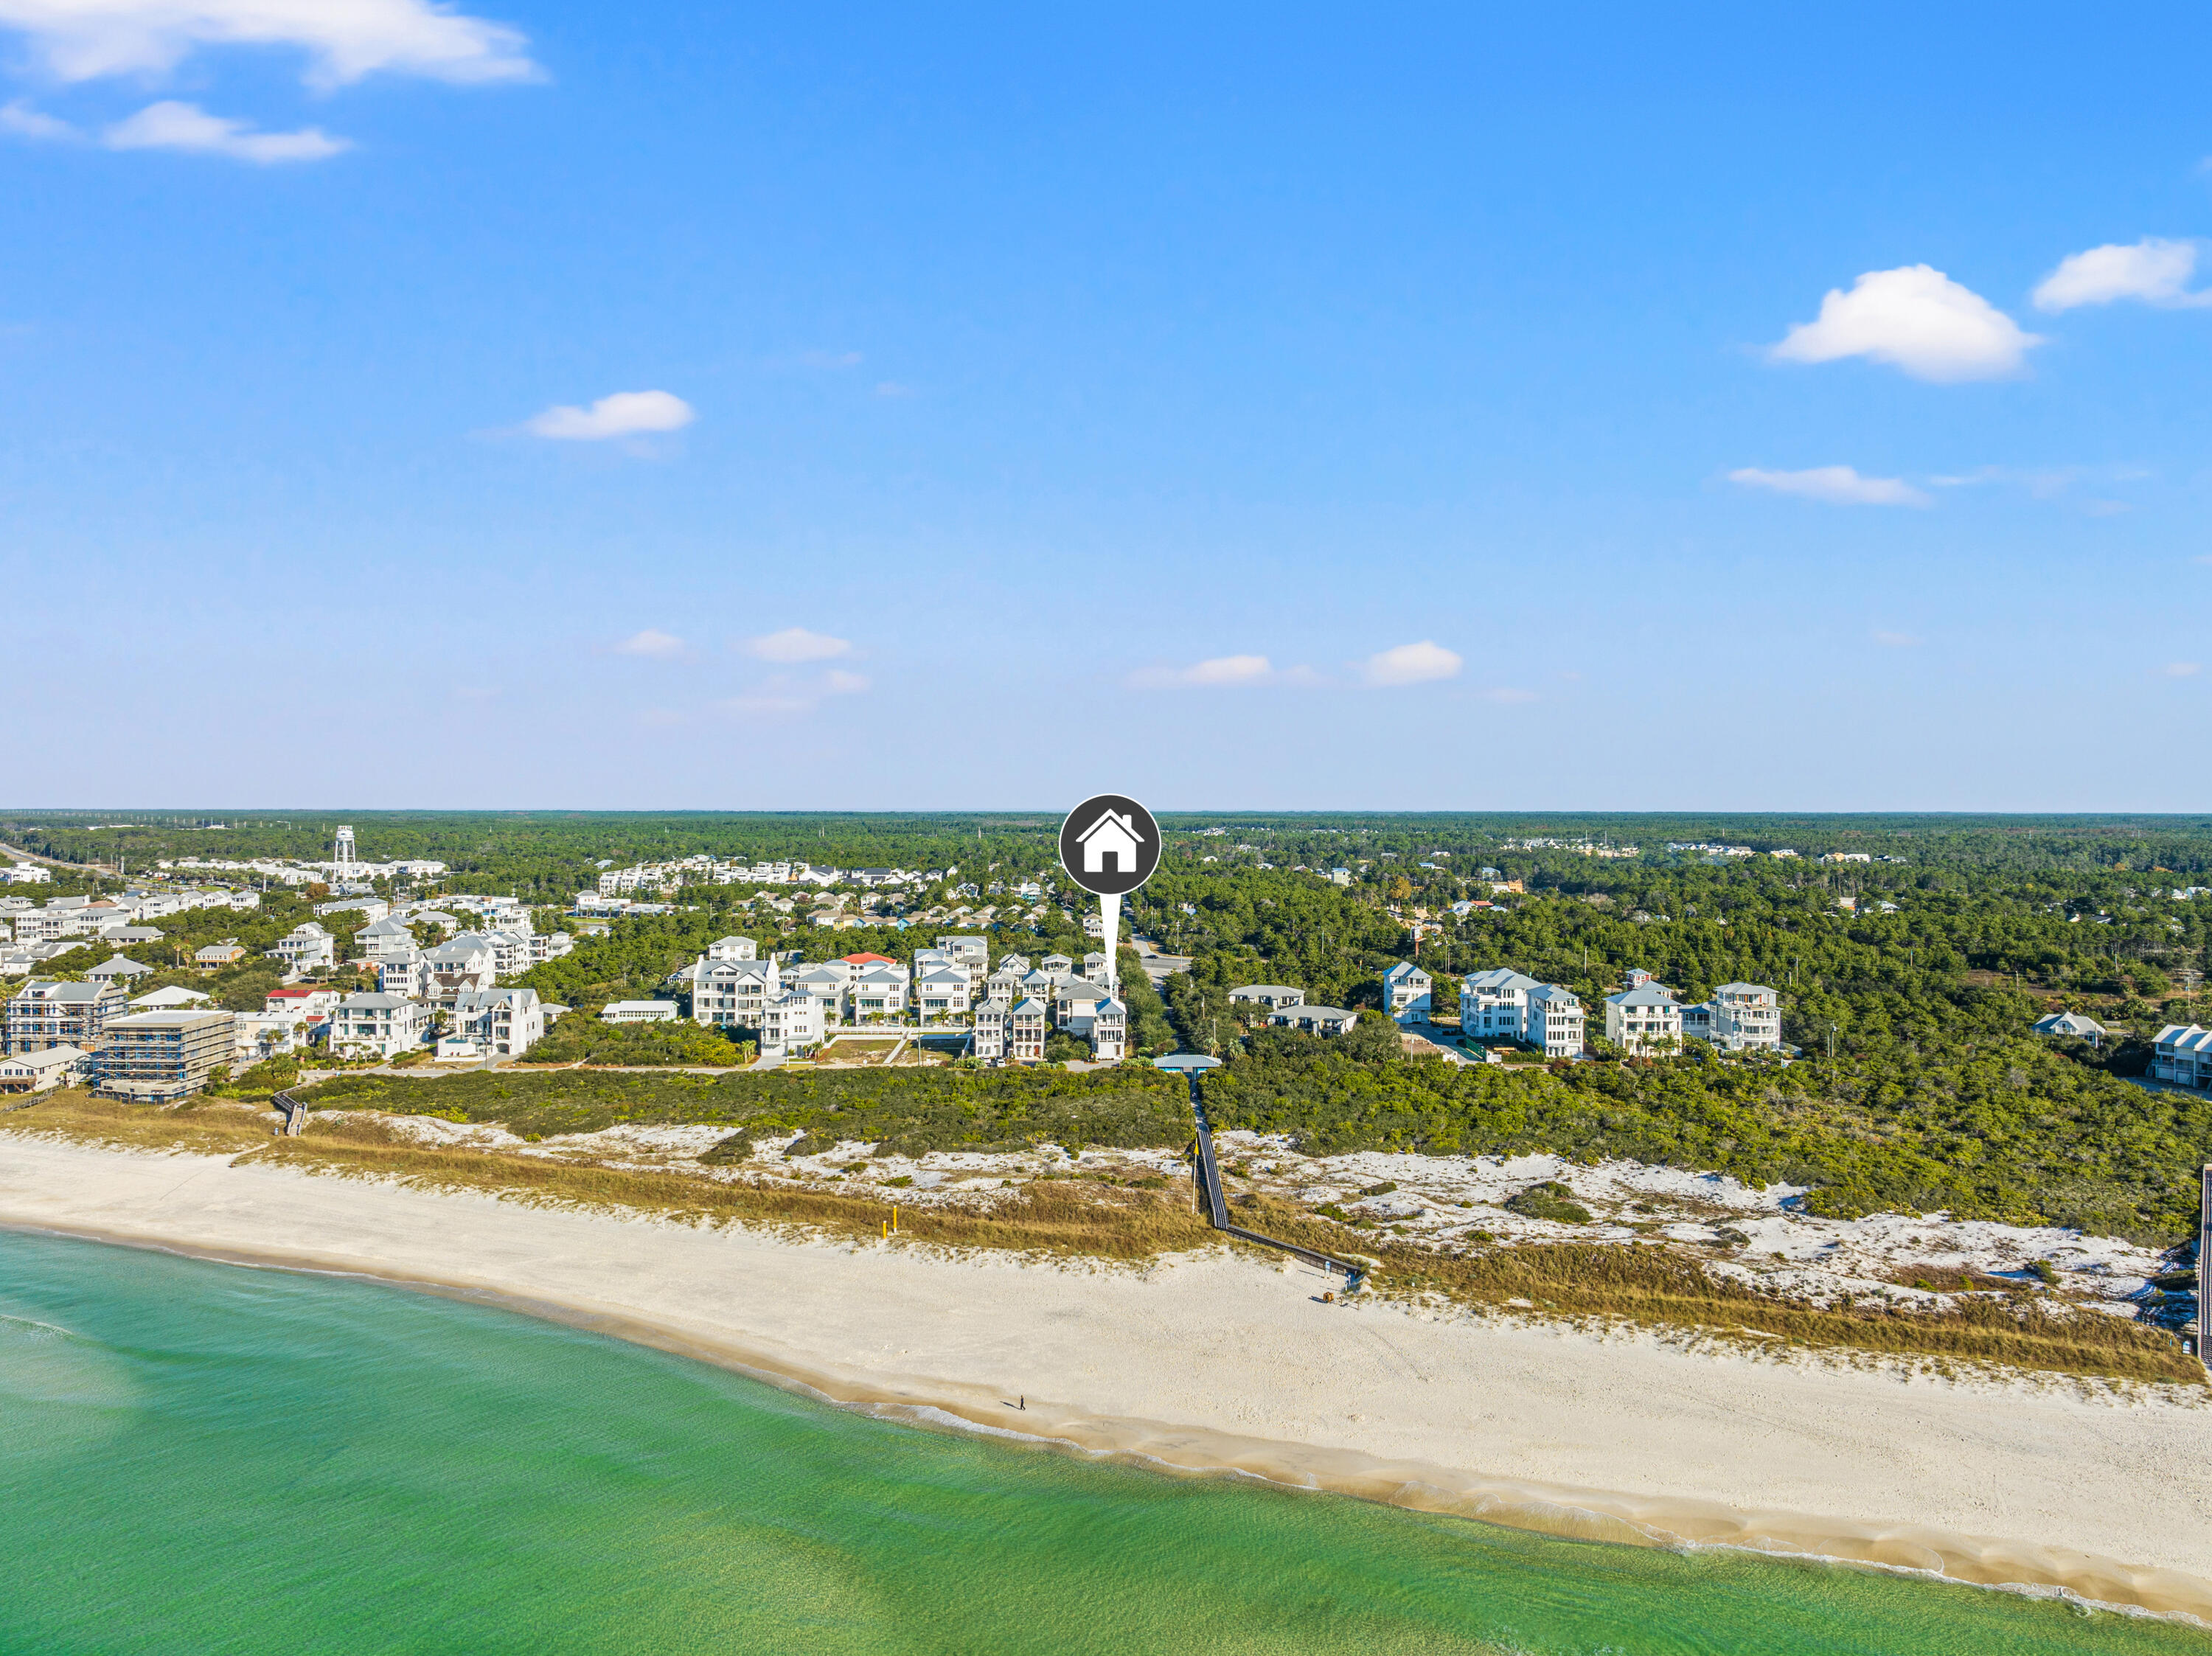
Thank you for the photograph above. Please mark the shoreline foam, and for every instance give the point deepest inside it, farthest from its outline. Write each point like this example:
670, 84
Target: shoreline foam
75, 1194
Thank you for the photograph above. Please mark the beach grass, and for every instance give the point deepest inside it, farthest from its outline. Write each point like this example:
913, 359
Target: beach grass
1648, 1284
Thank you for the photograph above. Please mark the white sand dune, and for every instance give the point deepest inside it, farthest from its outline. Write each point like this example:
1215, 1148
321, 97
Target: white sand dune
1222, 1360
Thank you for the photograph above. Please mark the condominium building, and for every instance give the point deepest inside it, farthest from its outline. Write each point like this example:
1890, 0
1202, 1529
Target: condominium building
1272, 996
160, 1058
46, 1013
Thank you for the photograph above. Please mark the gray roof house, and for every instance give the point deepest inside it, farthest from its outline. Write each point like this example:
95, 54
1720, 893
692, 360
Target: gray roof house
2070, 1023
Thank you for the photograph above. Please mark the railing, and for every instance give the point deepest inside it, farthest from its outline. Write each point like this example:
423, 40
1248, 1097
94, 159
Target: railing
1208, 1171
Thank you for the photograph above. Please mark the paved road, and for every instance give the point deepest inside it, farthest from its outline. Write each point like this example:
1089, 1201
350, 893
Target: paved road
55, 862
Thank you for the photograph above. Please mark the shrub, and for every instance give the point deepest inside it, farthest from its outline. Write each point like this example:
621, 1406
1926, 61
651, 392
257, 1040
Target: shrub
1549, 1200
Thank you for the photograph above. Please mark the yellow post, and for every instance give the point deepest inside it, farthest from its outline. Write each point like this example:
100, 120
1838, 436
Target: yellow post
893, 1216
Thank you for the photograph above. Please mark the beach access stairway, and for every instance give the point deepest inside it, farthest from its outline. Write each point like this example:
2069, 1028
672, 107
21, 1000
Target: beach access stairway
1208, 1171
294, 1111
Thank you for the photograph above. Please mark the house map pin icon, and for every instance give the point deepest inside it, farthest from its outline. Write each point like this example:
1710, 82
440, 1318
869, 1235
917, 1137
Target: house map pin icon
1109, 845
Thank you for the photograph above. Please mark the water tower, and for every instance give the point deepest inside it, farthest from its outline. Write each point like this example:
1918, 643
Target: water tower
343, 854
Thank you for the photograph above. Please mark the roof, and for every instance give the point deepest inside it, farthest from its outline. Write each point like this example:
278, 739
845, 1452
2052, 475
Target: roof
51, 1057
1499, 978
1743, 988
1644, 994
298, 992
868, 960
1552, 991
641, 1006
1403, 969
1329, 1012
165, 1020
69, 994
121, 966
1266, 989
156, 1000
2069, 1024
373, 1002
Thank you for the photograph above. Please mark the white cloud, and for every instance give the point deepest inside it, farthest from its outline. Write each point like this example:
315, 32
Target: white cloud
1898, 641
624, 414
2154, 270
172, 125
796, 644
26, 122
2181, 668
1837, 485
344, 40
659, 646
1916, 319
1221, 672
1412, 664
838, 682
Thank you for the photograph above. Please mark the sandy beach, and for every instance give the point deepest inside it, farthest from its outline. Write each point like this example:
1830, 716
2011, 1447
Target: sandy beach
1224, 1362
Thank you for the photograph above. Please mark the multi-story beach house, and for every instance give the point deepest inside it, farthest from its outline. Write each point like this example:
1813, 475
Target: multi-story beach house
1740, 1017
1494, 1004
733, 992
508, 1022
1552, 1020
1272, 996
304, 947
791, 1025
2182, 1054
46, 1012
1407, 993
993, 1031
375, 1026
942, 992
1644, 1016
1028, 1024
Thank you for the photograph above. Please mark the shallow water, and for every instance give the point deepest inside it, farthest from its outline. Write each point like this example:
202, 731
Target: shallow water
199, 1457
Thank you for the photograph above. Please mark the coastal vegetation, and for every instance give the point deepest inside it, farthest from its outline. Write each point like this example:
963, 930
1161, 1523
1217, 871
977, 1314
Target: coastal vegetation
1123, 1216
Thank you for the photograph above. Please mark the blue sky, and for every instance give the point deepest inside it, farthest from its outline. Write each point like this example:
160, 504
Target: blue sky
538, 404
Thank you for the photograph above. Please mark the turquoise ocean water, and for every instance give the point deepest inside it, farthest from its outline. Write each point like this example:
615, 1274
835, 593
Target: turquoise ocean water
199, 1457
